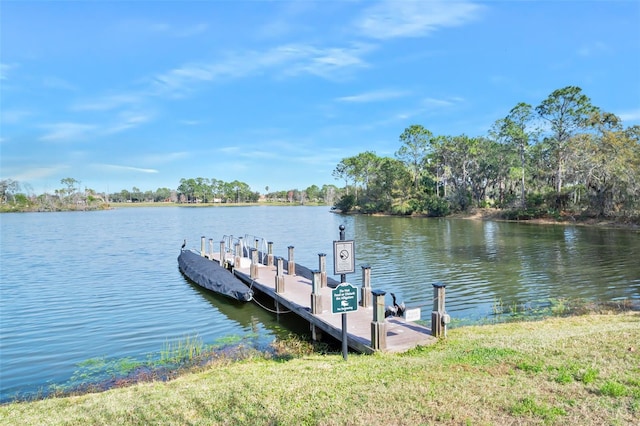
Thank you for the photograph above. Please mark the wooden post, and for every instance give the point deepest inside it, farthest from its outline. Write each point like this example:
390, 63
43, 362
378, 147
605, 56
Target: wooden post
211, 248
322, 265
379, 324
316, 297
202, 245
316, 303
439, 317
279, 275
270, 253
253, 271
223, 254
365, 291
236, 255
291, 269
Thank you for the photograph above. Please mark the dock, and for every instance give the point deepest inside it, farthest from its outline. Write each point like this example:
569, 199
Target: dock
295, 292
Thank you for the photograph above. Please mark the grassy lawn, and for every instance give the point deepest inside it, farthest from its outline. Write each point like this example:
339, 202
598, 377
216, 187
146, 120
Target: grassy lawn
582, 370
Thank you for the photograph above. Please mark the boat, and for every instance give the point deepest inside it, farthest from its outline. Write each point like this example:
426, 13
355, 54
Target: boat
212, 276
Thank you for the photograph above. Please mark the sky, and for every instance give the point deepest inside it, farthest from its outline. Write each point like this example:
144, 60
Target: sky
123, 94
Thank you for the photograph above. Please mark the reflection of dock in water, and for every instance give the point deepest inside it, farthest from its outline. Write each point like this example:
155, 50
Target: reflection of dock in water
249, 315
309, 294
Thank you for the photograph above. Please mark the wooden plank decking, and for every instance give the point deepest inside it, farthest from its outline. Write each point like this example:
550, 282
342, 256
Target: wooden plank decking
401, 335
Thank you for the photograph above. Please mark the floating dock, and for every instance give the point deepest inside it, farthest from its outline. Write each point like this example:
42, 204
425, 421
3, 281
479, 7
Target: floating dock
308, 295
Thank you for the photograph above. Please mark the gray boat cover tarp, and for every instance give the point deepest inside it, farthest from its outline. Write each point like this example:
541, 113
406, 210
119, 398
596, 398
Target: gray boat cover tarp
210, 275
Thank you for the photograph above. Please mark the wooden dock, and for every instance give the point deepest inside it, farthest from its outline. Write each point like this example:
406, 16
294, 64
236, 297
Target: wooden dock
401, 335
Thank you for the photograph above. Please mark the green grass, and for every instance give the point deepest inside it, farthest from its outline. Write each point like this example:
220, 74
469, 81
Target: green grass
563, 370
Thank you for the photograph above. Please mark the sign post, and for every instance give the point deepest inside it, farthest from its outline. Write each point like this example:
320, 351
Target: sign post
344, 297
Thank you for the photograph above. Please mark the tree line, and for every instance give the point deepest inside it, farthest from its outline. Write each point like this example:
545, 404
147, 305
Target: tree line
71, 195
563, 156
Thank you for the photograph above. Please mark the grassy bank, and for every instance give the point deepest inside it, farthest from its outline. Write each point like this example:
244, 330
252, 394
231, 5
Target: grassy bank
577, 370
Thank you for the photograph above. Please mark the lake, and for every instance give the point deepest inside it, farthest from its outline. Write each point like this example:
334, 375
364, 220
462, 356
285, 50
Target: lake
79, 286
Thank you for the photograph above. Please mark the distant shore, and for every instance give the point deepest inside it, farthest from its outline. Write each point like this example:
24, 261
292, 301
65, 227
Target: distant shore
496, 214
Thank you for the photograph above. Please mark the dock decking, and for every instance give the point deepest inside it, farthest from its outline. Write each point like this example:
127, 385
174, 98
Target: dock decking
401, 335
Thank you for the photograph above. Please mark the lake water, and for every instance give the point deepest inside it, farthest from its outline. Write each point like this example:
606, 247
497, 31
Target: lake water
77, 286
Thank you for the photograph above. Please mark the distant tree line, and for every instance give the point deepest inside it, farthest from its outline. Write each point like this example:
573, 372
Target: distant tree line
71, 196
565, 156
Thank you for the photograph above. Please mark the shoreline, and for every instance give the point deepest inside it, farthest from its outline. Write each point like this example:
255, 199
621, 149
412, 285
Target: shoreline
495, 215
523, 372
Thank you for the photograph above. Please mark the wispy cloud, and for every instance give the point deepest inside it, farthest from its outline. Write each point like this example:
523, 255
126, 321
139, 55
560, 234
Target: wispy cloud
64, 132
164, 158
128, 120
631, 115
329, 63
109, 102
13, 116
52, 82
125, 168
393, 19
441, 103
4, 70
593, 49
288, 60
374, 96
36, 173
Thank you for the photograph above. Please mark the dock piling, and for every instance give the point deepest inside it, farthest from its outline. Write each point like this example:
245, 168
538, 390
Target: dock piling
222, 253
322, 265
202, 245
316, 297
237, 254
379, 324
211, 248
279, 275
365, 290
439, 316
291, 264
270, 253
253, 271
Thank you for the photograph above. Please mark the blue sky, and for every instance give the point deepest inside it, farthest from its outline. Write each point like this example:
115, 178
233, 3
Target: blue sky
275, 93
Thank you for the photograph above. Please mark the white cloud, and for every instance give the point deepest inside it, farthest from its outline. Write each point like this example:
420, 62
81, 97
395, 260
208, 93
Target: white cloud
290, 60
13, 116
109, 102
4, 71
630, 115
439, 103
51, 82
128, 120
164, 158
66, 131
393, 19
36, 173
126, 168
374, 96
593, 49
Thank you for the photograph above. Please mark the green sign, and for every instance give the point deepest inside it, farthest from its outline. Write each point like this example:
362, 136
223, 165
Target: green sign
344, 299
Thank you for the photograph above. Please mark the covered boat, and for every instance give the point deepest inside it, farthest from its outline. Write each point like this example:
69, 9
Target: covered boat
210, 275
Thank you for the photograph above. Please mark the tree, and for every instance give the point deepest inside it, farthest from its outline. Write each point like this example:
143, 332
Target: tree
608, 162
8, 189
567, 111
416, 142
515, 130
313, 193
390, 183
70, 187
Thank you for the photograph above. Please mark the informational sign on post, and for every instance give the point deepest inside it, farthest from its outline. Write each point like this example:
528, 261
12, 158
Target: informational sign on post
344, 298
343, 257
